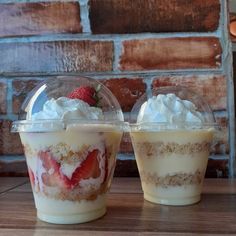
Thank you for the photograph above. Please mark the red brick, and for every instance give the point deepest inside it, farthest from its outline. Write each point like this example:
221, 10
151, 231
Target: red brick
3, 98
213, 88
21, 88
127, 91
125, 16
221, 142
56, 57
171, 53
126, 168
13, 168
217, 169
39, 18
9, 142
126, 144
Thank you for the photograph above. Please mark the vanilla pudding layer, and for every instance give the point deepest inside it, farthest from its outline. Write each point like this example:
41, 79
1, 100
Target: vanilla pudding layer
69, 212
172, 163
70, 148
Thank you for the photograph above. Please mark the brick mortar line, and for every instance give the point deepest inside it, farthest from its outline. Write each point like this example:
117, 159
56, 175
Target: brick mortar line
224, 34
84, 16
219, 157
117, 53
125, 157
221, 113
9, 117
148, 81
227, 67
9, 97
115, 73
104, 37
9, 158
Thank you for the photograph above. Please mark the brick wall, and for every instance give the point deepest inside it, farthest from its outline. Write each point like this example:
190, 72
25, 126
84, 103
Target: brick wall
130, 46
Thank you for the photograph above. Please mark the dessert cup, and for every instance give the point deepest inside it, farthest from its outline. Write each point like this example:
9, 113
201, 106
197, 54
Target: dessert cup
172, 158
70, 161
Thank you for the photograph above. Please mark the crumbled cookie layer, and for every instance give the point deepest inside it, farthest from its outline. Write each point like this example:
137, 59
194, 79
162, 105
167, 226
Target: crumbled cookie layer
159, 149
172, 180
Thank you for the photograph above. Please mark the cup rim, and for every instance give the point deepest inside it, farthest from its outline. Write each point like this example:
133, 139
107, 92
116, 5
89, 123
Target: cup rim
161, 126
53, 125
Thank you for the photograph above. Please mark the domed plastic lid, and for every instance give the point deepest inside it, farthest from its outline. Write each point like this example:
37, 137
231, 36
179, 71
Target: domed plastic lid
171, 108
62, 101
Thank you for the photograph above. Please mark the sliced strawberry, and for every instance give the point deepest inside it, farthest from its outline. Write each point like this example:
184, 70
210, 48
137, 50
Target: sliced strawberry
48, 162
49, 180
53, 176
88, 169
86, 94
31, 176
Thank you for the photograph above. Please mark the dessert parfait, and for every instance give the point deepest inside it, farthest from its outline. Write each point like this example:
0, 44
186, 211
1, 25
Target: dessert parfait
70, 129
171, 137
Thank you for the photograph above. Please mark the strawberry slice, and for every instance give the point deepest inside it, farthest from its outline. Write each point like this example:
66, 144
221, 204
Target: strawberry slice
48, 180
88, 169
48, 162
86, 94
31, 176
53, 176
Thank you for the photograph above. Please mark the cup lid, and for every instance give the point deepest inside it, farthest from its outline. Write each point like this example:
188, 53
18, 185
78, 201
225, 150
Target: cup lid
171, 107
55, 103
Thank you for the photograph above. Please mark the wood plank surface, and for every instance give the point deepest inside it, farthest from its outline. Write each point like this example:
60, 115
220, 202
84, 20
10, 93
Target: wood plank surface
9, 183
129, 214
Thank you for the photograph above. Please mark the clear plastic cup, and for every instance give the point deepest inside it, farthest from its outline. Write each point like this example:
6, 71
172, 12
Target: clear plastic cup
172, 158
70, 161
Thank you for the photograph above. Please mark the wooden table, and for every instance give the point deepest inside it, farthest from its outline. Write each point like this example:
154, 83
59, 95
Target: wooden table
127, 213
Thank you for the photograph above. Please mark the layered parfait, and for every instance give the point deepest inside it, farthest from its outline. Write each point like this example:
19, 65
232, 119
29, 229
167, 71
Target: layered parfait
171, 141
70, 150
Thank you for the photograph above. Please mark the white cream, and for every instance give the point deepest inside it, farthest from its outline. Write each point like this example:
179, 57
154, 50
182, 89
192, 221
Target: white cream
169, 109
66, 109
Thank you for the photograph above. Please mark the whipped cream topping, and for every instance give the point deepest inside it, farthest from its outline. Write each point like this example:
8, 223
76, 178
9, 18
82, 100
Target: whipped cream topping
66, 109
169, 109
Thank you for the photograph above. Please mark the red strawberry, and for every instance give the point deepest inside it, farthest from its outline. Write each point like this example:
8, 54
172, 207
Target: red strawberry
89, 168
31, 176
86, 94
48, 161
56, 178
49, 180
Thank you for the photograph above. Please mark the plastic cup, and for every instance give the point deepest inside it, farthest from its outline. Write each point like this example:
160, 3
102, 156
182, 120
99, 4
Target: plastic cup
172, 158
70, 162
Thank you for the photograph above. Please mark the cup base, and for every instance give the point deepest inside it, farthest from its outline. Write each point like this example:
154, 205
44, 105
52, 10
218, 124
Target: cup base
72, 219
183, 201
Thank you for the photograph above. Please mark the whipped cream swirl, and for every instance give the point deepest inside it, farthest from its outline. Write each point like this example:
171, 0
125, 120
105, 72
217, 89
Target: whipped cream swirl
66, 109
171, 110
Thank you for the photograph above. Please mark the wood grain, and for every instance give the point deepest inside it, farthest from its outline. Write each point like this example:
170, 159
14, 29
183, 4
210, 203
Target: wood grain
9, 183
128, 213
